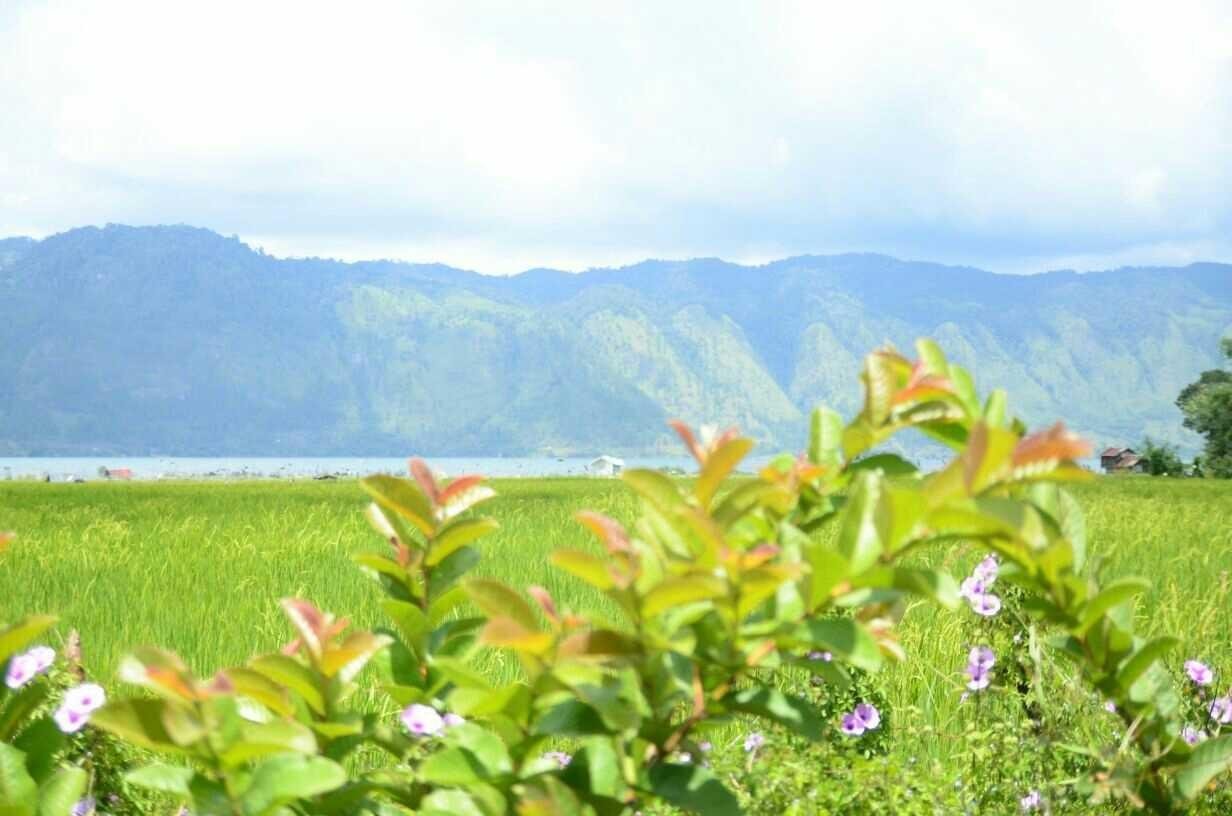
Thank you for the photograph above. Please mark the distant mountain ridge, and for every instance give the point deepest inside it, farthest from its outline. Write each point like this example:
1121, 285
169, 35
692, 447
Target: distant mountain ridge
177, 340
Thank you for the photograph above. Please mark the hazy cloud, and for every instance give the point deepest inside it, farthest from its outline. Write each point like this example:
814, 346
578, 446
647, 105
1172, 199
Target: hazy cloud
500, 136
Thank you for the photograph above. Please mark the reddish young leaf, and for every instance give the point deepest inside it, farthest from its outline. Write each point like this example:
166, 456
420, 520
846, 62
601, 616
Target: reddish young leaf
607, 529
311, 623
1057, 444
459, 486
686, 435
544, 599
922, 385
424, 477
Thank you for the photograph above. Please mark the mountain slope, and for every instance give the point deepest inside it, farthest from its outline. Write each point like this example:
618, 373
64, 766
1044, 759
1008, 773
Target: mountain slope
178, 340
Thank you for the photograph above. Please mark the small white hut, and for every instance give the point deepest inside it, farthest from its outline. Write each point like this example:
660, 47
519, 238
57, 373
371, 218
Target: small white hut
606, 466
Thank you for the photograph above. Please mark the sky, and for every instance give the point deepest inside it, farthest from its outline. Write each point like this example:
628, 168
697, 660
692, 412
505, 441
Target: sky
1013, 136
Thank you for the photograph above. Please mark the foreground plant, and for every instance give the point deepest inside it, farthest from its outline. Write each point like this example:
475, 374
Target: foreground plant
34, 779
725, 586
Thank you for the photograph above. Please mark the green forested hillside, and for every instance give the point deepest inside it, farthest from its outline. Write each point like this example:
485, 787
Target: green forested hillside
178, 340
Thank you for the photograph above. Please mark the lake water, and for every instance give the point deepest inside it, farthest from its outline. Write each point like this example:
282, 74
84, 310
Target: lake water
184, 467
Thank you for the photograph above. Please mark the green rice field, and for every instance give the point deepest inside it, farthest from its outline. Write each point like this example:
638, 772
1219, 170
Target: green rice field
197, 567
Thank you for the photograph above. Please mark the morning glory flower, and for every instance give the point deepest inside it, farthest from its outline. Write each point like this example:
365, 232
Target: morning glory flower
26, 666
981, 656
868, 716
979, 668
754, 741
986, 605
704, 746
1110, 706
1221, 710
559, 757
822, 656
1032, 801
851, 725
451, 719
78, 704
422, 720
84, 807
1191, 735
971, 588
987, 570
1199, 673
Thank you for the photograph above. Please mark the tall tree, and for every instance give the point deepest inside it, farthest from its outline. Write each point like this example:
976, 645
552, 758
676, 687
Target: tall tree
1207, 406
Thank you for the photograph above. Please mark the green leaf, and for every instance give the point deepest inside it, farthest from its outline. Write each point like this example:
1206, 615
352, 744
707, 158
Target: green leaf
18, 793
63, 790
656, 488
456, 535
718, 465
994, 408
927, 583
825, 437
1208, 760
1113, 595
844, 638
171, 779
403, 497
591, 569
412, 623
41, 742
450, 570
137, 721
485, 746
274, 737
496, 599
891, 464
691, 788
792, 713
451, 767
1136, 664
932, 356
860, 536
21, 634
570, 718
461, 803
20, 705
675, 592
289, 672
289, 778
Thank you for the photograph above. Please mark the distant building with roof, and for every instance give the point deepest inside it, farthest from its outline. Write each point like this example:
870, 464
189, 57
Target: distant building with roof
606, 466
1121, 460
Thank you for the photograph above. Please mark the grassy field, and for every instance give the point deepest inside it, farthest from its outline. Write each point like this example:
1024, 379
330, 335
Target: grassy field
197, 567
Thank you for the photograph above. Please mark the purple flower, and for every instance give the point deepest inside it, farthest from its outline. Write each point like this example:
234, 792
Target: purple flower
979, 677
559, 757
1199, 673
84, 807
704, 746
422, 720
26, 666
1110, 706
986, 605
78, 704
1221, 710
451, 719
868, 716
987, 570
981, 656
972, 588
851, 725
822, 656
753, 741
1191, 735
1032, 801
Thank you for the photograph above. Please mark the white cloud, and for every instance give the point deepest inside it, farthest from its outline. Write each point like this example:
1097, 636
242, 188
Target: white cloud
502, 136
